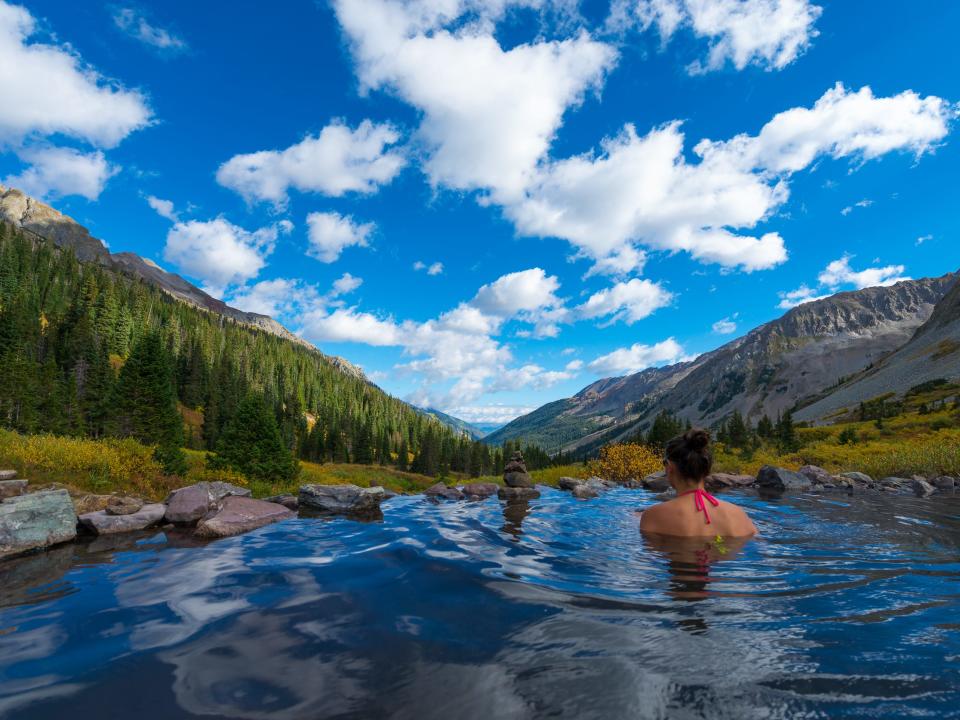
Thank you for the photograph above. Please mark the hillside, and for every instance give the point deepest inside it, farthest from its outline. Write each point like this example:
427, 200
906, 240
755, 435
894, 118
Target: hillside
71, 313
932, 354
808, 350
461, 426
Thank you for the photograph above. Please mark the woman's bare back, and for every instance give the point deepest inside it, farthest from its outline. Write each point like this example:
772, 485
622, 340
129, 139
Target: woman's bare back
681, 517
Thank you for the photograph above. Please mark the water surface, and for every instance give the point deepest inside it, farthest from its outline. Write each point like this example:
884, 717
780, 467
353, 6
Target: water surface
845, 607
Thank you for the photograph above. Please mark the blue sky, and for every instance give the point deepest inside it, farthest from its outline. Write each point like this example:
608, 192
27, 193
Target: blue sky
488, 205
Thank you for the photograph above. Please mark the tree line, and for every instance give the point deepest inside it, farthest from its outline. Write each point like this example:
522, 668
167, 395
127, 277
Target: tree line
87, 351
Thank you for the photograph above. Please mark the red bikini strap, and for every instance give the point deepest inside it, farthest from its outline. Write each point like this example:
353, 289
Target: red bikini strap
699, 505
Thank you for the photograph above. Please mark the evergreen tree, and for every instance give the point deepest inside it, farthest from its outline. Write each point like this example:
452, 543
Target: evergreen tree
665, 427
146, 403
785, 433
252, 445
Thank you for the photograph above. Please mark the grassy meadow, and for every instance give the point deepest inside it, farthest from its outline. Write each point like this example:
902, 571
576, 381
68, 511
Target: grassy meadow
923, 438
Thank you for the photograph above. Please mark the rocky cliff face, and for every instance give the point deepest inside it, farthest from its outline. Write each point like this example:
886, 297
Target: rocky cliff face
772, 368
41, 221
933, 352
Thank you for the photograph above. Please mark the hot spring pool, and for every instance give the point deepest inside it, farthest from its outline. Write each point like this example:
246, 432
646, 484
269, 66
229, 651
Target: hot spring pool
845, 607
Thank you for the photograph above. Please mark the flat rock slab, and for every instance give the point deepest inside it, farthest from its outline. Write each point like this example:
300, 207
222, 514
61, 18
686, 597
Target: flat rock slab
719, 481
38, 520
189, 504
858, 477
518, 493
8, 474
239, 514
479, 490
776, 478
122, 505
12, 488
101, 522
342, 499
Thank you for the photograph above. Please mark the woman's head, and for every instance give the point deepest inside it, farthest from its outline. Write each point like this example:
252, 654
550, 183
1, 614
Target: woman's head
688, 458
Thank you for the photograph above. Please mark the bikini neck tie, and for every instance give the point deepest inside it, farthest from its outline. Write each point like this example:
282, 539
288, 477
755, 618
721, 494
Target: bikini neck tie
699, 504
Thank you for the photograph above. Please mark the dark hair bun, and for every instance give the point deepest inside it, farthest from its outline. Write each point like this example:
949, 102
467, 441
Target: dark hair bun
691, 454
697, 438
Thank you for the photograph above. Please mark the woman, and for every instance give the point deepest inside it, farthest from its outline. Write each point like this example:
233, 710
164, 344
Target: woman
694, 512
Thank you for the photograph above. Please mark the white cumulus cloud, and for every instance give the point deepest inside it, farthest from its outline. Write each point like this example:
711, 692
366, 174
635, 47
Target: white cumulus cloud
330, 233
489, 114
55, 172
219, 253
768, 33
726, 326
163, 208
627, 301
642, 190
637, 357
337, 161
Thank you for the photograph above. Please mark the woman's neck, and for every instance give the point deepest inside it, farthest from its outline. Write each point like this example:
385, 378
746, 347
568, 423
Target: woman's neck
689, 485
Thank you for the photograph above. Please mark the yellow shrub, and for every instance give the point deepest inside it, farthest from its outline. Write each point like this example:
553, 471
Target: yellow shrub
623, 461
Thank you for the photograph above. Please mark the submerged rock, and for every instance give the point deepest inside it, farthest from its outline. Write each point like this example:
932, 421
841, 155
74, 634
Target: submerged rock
342, 499
290, 502
569, 483
921, 488
238, 515
657, 481
518, 493
442, 492
38, 520
12, 488
189, 504
585, 491
476, 491
101, 522
776, 478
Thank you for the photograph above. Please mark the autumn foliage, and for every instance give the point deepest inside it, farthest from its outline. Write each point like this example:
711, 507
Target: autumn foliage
623, 461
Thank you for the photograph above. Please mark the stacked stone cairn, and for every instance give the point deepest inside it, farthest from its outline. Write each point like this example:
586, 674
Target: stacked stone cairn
518, 483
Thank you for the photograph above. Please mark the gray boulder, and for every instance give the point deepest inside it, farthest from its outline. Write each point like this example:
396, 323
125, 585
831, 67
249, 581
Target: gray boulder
585, 491
657, 481
776, 478
518, 479
90, 502
921, 488
858, 477
290, 502
7, 475
631, 484
442, 492
569, 483
342, 499
239, 514
476, 491
101, 522
518, 493
944, 482
720, 481
894, 483
12, 488
38, 520
817, 475
188, 505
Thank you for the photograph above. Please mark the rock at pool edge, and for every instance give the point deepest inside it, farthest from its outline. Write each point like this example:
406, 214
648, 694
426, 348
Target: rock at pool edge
238, 515
342, 499
38, 520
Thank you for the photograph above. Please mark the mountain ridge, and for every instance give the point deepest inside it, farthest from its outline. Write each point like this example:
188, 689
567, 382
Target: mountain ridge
772, 368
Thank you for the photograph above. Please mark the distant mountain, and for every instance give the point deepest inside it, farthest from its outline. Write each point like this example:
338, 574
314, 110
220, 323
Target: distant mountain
37, 219
462, 426
810, 349
931, 354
